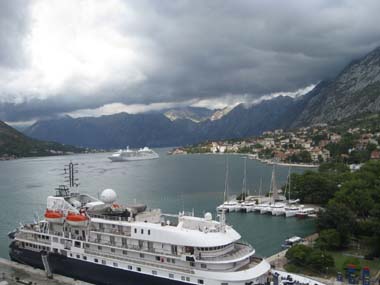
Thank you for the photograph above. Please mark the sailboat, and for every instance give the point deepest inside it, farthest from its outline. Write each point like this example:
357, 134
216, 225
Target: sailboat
265, 208
292, 208
276, 208
249, 202
228, 205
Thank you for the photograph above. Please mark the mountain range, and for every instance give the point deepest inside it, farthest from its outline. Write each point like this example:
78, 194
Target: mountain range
355, 91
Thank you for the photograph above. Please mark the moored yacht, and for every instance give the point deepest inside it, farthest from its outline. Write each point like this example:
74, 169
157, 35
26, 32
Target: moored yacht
103, 242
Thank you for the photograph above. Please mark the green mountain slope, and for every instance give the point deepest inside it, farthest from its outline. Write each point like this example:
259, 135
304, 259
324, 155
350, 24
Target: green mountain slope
16, 144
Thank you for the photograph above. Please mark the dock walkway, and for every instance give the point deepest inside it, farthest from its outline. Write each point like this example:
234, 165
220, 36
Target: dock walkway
14, 273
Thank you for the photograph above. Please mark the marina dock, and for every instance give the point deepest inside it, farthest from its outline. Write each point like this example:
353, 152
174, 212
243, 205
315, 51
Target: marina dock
13, 273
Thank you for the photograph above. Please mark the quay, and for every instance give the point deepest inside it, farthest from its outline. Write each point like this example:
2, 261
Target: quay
13, 273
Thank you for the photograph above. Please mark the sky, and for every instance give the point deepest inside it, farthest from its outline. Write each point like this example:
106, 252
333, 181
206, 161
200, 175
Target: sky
94, 57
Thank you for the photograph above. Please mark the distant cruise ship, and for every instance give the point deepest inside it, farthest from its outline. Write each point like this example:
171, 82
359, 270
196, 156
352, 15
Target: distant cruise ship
103, 242
129, 154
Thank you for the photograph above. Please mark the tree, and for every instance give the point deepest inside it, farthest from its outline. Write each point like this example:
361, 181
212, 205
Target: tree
328, 239
314, 188
298, 254
320, 260
338, 216
333, 167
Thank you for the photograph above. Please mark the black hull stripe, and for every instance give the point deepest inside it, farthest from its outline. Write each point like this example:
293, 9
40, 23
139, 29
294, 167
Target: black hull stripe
87, 271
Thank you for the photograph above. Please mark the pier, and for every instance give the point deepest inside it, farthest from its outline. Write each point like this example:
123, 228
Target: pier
13, 273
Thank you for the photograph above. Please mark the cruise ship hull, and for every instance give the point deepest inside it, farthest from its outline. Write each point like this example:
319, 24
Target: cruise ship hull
86, 271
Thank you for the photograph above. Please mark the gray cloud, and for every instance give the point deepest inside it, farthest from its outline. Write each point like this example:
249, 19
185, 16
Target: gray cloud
189, 50
13, 27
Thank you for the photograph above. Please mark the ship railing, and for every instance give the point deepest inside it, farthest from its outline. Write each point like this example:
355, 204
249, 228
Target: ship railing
152, 264
112, 231
240, 250
111, 218
124, 246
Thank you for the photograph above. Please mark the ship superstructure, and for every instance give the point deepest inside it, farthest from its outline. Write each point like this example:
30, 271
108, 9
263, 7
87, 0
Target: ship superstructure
103, 242
130, 154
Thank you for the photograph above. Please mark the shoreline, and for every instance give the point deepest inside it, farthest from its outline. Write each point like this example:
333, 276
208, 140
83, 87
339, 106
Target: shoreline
271, 162
252, 157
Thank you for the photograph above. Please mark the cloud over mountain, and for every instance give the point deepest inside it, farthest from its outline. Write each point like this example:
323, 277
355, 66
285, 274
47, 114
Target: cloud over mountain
64, 56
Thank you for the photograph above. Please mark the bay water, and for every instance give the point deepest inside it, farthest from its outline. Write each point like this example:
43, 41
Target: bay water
172, 183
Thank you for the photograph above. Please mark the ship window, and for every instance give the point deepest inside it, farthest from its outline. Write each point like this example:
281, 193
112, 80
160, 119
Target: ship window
87, 245
183, 278
112, 250
187, 278
192, 264
104, 262
99, 247
84, 257
138, 269
71, 254
129, 267
224, 283
157, 258
115, 264
200, 281
203, 265
77, 232
148, 232
154, 272
77, 244
125, 252
171, 275
78, 256
135, 231
142, 231
142, 255
96, 260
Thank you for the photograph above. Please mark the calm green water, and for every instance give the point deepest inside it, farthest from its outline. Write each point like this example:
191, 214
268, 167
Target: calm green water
170, 183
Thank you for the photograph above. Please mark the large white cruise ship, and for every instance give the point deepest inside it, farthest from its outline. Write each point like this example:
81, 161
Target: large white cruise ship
129, 154
103, 242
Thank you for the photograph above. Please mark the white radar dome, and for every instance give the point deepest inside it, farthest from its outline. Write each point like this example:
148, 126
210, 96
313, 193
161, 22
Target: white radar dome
108, 196
208, 216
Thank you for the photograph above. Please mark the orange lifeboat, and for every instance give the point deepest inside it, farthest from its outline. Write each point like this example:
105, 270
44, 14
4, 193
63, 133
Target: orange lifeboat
54, 216
75, 219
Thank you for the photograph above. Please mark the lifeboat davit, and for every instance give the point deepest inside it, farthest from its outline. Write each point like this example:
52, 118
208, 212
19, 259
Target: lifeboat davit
75, 219
54, 216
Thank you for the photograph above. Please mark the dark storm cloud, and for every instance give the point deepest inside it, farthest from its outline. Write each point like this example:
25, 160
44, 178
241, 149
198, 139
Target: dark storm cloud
209, 49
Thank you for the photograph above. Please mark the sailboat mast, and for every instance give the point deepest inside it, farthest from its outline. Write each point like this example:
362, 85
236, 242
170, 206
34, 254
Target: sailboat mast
244, 189
226, 182
289, 184
261, 186
274, 186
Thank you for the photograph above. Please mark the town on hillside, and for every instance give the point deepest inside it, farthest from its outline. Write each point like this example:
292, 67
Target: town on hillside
304, 146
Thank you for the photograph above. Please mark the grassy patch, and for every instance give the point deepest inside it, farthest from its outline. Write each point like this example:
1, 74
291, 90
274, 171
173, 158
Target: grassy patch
340, 257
